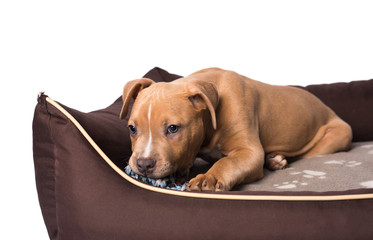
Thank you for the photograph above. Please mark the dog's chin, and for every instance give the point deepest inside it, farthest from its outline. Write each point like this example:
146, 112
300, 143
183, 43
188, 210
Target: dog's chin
162, 173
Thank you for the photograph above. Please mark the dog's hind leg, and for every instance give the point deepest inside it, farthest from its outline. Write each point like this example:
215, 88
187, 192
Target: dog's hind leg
337, 137
275, 161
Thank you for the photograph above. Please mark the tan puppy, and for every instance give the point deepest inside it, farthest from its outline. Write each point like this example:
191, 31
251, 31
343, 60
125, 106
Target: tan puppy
229, 119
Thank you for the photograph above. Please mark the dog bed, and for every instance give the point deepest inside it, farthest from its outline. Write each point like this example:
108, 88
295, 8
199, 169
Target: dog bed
84, 192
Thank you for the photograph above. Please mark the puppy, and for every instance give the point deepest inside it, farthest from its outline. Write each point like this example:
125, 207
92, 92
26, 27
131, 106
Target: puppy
234, 122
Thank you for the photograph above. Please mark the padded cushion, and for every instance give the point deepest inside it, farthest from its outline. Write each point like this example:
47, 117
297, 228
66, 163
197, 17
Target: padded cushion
333, 172
81, 197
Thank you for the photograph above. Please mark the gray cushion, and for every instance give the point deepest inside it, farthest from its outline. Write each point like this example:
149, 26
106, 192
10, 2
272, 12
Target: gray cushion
335, 172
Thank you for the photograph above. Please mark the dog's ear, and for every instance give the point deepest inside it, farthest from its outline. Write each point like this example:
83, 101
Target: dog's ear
130, 90
203, 95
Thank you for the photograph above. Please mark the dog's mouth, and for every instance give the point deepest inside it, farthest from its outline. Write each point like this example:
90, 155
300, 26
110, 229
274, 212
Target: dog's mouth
158, 169
179, 177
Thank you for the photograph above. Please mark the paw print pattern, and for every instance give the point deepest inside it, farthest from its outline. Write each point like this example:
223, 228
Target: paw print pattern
367, 146
314, 174
308, 174
344, 163
367, 184
289, 185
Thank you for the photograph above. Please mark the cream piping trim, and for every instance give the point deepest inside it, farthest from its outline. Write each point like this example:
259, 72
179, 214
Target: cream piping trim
201, 195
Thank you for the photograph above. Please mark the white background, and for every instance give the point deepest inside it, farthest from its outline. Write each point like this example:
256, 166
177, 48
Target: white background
82, 52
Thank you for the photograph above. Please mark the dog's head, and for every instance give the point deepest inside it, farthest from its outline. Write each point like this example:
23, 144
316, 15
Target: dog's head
167, 124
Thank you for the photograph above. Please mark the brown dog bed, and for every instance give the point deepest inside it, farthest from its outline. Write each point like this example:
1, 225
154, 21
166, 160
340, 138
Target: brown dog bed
84, 193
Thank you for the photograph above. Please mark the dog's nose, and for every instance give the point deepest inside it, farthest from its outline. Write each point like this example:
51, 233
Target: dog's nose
145, 165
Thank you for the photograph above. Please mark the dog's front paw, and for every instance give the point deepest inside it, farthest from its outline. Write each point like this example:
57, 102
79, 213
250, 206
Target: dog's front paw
206, 182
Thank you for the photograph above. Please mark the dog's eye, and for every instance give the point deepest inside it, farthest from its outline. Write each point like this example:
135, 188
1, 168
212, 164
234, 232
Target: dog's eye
172, 129
132, 129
